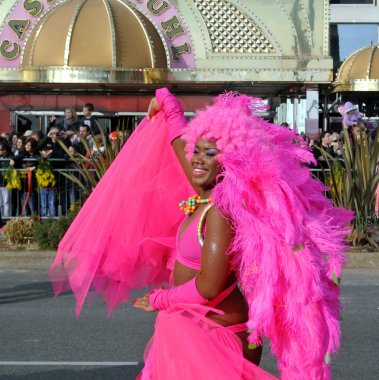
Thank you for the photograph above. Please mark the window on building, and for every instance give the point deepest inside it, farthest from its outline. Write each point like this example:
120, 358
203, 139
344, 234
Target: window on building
347, 38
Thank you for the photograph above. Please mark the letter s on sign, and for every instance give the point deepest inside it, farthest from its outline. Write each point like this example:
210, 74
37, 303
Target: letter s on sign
33, 7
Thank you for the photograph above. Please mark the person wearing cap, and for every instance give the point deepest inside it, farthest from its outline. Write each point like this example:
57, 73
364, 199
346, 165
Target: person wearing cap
351, 115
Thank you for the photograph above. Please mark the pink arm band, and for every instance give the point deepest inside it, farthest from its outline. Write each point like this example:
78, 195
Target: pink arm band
161, 299
173, 111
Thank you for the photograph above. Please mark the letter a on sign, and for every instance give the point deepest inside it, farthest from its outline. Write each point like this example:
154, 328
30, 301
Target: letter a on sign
19, 27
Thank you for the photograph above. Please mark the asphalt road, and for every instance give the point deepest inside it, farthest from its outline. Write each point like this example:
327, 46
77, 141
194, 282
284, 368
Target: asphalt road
40, 337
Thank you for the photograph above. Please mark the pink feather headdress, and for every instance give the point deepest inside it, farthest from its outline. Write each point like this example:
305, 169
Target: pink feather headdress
289, 239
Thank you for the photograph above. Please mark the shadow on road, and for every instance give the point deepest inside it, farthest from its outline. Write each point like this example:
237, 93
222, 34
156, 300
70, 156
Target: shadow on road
109, 373
26, 292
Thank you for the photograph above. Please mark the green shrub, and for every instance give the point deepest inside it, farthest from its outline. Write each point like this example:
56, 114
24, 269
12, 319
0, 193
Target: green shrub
57, 229
41, 233
19, 232
49, 232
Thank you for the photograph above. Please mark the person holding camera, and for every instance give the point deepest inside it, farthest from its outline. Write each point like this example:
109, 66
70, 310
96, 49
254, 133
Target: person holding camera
52, 140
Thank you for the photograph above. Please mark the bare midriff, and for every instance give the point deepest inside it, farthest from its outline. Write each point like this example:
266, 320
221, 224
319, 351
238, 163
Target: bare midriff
234, 307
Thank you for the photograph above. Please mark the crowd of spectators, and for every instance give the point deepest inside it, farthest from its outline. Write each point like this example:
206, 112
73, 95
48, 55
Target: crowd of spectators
332, 142
83, 136
28, 150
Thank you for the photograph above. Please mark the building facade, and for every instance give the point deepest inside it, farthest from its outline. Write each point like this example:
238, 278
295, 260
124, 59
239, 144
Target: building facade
114, 53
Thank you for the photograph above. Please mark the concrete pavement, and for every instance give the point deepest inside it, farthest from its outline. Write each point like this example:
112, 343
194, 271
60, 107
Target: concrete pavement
41, 339
356, 258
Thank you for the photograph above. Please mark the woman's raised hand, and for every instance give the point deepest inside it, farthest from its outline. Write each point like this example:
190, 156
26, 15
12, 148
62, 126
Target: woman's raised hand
154, 108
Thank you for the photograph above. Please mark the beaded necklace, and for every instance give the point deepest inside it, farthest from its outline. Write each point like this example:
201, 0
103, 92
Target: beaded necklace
192, 203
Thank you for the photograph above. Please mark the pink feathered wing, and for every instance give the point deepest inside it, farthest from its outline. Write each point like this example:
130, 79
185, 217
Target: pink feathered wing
124, 236
289, 247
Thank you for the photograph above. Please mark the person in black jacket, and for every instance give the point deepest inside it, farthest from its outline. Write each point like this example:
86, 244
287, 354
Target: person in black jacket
5, 194
89, 120
28, 159
51, 140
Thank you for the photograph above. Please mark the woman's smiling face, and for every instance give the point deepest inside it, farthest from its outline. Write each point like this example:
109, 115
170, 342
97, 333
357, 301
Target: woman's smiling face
205, 166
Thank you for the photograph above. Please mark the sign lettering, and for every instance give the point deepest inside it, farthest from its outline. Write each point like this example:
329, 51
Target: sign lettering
178, 50
152, 6
9, 54
173, 28
33, 7
162, 13
19, 27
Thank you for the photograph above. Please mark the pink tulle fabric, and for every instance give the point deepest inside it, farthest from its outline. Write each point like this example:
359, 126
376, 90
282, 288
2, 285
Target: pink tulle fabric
186, 345
124, 236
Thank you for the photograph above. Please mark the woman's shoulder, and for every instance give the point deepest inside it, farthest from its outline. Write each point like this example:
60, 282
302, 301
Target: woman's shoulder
215, 219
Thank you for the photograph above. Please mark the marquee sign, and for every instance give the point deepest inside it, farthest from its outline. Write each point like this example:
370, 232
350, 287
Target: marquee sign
26, 13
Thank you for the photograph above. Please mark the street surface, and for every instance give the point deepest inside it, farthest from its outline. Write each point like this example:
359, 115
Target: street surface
42, 339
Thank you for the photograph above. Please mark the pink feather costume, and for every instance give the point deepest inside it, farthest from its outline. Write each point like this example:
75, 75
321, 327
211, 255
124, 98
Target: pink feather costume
289, 239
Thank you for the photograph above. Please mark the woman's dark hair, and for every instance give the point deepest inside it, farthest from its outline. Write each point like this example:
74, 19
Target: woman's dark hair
39, 134
33, 144
5, 146
323, 133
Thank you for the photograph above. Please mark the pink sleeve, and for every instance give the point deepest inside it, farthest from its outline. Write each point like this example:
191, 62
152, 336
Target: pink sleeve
162, 299
173, 111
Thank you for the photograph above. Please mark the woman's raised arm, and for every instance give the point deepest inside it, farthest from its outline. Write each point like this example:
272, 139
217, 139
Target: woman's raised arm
176, 122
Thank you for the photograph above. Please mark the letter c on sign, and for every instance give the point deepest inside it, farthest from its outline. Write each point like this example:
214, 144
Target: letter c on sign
9, 54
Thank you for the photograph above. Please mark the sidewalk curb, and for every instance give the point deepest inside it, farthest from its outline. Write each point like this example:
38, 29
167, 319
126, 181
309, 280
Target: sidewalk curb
18, 259
355, 259
362, 259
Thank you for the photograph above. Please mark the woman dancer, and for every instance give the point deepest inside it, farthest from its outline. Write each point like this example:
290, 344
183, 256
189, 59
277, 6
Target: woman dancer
270, 229
202, 276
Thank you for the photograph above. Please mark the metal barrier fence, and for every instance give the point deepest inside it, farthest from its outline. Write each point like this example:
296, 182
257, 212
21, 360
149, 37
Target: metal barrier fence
51, 202
33, 200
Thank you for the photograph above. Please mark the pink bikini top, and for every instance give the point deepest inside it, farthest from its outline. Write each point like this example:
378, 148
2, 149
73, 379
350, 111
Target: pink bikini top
188, 249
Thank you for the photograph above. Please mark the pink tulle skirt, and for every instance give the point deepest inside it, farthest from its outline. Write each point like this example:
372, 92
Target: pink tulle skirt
187, 345
124, 235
